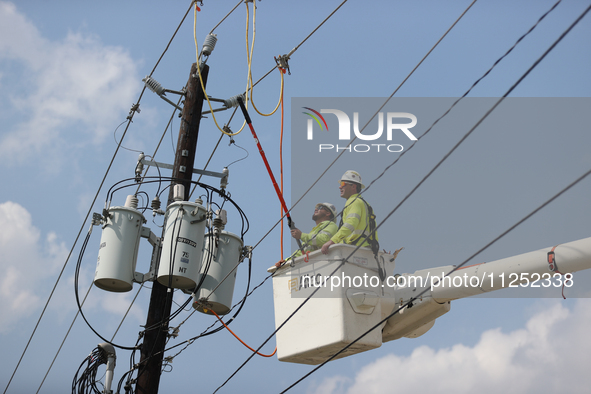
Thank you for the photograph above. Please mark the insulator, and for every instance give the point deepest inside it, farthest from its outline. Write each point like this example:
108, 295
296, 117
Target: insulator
221, 218
233, 101
224, 180
139, 168
218, 223
155, 204
209, 44
131, 201
153, 85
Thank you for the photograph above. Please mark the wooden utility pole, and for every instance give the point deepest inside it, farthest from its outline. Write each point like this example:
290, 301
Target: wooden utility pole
152, 350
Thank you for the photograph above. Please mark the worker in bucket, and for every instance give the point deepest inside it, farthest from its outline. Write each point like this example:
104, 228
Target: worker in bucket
324, 216
358, 225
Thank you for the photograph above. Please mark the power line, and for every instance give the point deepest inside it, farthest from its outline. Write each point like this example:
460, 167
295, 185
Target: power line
432, 49
464, 95
63, 341
449, 273
289, 55
438, 164
422, 181
432, 125
127, 311
130, 118
227, 15
363, 128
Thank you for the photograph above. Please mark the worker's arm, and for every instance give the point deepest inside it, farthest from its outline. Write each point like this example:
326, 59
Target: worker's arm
319, 236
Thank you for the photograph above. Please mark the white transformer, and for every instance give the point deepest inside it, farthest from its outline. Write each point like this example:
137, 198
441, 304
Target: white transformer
118, 251
222, 254
182, 248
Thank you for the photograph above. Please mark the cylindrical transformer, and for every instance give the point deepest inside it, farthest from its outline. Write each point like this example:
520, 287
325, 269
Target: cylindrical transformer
223, 254
180, 260
120, 240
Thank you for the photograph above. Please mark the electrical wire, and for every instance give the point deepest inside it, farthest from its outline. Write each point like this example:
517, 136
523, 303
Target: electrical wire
365, 126
130, 119
121, 185
76, 277
426, 177
201, 78
385, 102
249, 55
63, 341
86, 383
236, 336
190, 341
227, 15
302, 42
239, 303
288, 56
419, 295
292, 52
127, 311
464, 95
68, 257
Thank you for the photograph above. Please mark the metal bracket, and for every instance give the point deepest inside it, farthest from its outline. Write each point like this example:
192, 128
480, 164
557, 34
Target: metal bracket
282, 61
195, 171
156, 243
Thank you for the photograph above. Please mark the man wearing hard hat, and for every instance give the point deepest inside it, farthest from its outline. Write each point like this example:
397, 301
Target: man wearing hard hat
324, 215
358, 224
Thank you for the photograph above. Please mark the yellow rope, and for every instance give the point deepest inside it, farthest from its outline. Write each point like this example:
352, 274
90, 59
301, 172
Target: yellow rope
249, 59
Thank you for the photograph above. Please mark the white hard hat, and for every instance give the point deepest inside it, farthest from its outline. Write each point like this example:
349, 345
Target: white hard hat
352, 176
330, 207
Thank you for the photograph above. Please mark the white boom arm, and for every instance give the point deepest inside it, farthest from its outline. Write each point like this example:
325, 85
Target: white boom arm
539, 266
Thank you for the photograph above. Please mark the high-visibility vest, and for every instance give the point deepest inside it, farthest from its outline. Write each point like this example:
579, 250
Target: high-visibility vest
318, 236
357, 223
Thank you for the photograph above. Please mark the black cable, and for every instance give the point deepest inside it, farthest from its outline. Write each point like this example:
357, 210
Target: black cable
418, 296
209, 193
434, 123
86, 383
76, 276
462, 97
505, 232
239, 303
365, 126
425, 178
130, 119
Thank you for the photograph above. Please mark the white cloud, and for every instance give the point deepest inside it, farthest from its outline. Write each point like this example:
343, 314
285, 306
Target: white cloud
81, 89
548, 355
25, 263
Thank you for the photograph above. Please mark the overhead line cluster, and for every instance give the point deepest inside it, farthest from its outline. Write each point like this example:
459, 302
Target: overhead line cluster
290, 53
129, 118
429, 174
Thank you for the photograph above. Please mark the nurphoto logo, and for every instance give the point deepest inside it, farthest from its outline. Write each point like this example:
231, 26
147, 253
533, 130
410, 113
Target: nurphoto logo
395, 122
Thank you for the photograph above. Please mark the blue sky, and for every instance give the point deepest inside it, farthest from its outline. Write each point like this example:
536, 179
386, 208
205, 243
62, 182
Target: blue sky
70, 72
